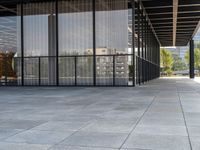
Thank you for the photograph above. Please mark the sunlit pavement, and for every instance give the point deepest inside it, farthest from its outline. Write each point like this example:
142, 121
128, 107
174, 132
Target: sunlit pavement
197, 79
163, 114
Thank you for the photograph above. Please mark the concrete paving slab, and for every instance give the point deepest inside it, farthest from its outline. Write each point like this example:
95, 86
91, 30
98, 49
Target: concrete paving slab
96, 139
64, 147
157, 142
153, 116
22, 146
39, 137
195, 140
161, 130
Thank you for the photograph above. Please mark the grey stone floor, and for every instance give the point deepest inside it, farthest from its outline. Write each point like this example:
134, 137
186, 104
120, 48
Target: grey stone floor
161, 115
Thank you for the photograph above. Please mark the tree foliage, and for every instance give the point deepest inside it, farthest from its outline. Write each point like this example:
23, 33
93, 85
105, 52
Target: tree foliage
166, 61
196, 58
179, 64
197, 44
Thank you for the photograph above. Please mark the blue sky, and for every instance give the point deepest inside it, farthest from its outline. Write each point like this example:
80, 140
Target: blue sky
197, 36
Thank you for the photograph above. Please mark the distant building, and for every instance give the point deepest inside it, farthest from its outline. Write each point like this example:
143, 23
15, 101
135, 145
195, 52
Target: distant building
104, 64
178, 51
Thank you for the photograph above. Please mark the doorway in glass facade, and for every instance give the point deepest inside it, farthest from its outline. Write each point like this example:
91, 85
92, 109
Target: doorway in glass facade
76, 43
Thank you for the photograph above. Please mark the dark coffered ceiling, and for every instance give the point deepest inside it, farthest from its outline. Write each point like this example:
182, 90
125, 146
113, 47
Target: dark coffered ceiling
174, 27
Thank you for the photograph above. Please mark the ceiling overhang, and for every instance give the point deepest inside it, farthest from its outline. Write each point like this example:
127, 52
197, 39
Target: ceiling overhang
174, 21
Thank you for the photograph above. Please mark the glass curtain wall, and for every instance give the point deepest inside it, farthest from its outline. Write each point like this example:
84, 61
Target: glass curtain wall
131, 38
10, 44
139, 43
75, 24
68, 42
112, 38
39, 25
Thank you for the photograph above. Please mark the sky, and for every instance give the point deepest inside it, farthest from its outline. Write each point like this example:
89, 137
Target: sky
197, 36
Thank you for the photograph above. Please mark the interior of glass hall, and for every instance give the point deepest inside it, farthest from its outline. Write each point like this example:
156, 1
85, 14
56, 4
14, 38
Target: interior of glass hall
91, 42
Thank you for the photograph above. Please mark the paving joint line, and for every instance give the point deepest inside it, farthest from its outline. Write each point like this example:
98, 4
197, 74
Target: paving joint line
89, 122
185, 122
138, 121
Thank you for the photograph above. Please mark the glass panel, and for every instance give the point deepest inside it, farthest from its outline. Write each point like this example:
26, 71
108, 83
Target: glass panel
136, 42
75, 27
17, 68
47, 70
10, 44
128, 64
139, 42
104, 67
31, 71
112, 27
85, 70
75, 38
67, 70
122, 70
113, 37
40, 37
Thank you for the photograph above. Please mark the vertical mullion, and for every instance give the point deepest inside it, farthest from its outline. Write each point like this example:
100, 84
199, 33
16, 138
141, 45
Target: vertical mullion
57, 46
94, 41
142, 60
133, 40
113, 70
138, 70
22, 43
39, 69
147, 57
75, 63
159, 59
146, 48
5, 65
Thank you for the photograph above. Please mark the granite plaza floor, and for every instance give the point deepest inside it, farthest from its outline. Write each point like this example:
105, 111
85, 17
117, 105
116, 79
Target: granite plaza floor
161, 115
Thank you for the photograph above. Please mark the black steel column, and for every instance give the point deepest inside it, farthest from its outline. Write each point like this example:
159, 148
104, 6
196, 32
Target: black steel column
159, 61
133, 40
138, 65
150, 56
75, 66
146, 45
57, 46
5, 65
52, 52
142, 38
22, 43
113, 70
147, 52
192, 59
94, 41
39, 70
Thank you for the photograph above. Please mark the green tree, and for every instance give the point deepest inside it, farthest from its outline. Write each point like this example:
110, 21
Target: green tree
166, 62
196, 58
197, 44
179, 64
